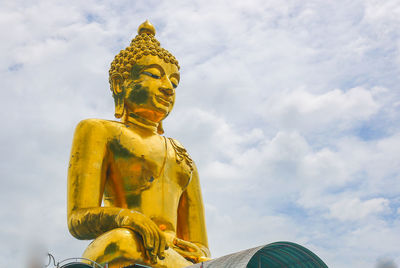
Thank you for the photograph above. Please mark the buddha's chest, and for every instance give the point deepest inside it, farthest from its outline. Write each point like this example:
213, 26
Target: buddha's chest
141, 168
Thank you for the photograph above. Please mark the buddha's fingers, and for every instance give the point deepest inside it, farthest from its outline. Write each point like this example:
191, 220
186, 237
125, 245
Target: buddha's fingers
185, 245
194, 256
147, 238
160, 244
155, 242
188, 249
150, 239
163, 246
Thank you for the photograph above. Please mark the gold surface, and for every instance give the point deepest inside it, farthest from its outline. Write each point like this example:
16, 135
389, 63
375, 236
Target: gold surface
133, 191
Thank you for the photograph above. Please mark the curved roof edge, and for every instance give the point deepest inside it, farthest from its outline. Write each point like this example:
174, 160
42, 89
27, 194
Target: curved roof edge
277, 254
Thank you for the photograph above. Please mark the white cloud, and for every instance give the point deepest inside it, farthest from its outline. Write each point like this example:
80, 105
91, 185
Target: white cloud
314, 112
355, 209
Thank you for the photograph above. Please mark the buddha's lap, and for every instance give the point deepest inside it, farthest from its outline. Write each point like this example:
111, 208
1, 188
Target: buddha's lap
124, 246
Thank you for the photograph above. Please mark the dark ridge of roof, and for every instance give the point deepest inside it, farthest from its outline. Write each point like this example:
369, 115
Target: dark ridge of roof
274, 255
76, 265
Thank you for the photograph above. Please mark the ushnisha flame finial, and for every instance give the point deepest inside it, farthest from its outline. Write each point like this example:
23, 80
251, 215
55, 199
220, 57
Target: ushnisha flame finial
147, 27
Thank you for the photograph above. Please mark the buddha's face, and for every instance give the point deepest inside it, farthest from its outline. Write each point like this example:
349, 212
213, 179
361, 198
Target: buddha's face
150, 89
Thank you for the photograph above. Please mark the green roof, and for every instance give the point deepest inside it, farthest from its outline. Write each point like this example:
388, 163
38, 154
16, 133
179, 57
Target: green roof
274, 255
285, 254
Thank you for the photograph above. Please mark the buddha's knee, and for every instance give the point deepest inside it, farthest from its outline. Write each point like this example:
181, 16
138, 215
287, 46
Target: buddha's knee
118, 246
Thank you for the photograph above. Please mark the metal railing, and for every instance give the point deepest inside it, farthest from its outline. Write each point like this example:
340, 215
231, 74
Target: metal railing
71, 261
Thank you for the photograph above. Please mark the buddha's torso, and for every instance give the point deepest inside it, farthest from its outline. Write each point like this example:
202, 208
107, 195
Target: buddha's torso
142, 173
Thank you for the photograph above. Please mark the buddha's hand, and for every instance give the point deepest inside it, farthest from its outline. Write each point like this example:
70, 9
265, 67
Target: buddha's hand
153, 238
189, 250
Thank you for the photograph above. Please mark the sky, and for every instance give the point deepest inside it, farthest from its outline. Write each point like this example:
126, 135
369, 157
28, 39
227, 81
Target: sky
290, 109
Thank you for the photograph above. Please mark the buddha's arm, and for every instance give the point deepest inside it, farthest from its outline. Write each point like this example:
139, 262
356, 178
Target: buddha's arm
86, 179
191, 223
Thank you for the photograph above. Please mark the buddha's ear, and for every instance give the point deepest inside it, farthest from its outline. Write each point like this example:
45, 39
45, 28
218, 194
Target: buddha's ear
116, 83
118, 93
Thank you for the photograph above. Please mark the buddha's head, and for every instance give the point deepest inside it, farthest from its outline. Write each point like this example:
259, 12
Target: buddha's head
143, 78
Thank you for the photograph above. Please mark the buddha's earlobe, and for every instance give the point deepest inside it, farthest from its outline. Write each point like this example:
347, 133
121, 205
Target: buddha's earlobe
119, 107
118, 93
160, 129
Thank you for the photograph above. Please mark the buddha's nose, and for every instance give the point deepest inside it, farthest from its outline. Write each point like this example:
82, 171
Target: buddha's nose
167, 89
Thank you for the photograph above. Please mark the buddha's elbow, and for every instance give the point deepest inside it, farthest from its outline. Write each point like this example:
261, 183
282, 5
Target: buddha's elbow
75, 225
72, 226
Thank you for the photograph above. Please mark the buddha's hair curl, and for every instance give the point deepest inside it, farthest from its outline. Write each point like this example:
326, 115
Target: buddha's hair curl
142, 45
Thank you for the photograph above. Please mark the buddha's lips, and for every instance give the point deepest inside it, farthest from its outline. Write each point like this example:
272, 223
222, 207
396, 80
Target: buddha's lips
163, 101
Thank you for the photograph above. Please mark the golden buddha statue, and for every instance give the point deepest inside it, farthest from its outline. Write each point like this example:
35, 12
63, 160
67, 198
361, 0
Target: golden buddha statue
133, 191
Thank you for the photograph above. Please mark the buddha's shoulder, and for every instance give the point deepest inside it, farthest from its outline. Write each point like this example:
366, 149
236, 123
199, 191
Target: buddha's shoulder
176, 144
181, 153
93, 124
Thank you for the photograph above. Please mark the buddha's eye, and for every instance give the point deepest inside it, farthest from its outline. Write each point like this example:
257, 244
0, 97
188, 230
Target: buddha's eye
151, 75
